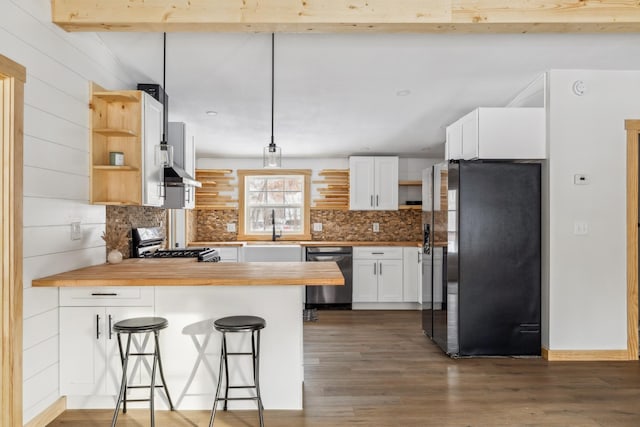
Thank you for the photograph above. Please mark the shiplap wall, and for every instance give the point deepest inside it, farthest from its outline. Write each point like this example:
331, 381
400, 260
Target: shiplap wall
56, 175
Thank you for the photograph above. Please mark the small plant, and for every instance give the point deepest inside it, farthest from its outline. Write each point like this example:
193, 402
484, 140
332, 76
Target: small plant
115, 238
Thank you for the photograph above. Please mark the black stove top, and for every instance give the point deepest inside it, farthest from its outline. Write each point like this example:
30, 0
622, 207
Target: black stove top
147, 243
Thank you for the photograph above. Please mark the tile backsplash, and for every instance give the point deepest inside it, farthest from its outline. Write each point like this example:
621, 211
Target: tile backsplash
127, 217
337, 225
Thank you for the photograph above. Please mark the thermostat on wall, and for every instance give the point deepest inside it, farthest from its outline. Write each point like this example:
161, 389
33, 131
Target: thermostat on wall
581, 179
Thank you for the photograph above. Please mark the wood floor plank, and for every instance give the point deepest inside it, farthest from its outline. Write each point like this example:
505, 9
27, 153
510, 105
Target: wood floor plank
375, 368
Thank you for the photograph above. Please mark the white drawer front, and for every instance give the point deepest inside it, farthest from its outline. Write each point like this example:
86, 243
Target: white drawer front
377, 252
107, 296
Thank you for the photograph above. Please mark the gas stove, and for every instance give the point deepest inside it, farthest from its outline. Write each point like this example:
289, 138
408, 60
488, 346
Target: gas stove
148, 242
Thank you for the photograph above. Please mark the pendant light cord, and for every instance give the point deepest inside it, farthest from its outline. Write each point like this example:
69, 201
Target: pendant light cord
272, 79
164, 82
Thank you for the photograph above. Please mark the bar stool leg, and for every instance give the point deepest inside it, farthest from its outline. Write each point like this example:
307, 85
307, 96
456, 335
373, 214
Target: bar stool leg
215, 401
256, 373
152, 389
164, 382
226, 370
123, 383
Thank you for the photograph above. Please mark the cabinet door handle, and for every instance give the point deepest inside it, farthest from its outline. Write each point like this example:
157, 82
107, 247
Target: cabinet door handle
104, 294
97, 326
377, 197
374, 268
371, 203
381, 269
110, 332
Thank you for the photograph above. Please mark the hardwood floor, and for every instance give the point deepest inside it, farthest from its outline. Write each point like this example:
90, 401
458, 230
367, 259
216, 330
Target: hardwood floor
375, 368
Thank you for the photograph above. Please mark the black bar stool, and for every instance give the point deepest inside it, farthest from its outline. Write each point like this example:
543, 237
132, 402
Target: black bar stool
140, 325
232, 324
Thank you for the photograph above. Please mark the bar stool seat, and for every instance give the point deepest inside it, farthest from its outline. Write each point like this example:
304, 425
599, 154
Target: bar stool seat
132, 326
234, 324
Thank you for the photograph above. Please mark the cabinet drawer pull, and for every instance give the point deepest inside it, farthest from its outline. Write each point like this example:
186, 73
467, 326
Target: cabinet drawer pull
104, 294
377, 253
97, 326
110, 332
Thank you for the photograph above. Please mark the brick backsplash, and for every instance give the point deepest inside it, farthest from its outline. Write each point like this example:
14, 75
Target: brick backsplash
127, 217
337, 225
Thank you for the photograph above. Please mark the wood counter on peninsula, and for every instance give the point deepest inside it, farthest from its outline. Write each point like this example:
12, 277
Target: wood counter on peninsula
190, 295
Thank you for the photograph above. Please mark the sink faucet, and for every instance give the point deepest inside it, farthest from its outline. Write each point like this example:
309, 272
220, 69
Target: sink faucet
274, 236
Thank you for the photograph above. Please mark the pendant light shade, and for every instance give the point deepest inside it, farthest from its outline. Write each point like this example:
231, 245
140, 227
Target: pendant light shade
272, 154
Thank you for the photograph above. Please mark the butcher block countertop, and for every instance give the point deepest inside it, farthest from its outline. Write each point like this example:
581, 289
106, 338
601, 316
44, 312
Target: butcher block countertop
189, 272
302, 243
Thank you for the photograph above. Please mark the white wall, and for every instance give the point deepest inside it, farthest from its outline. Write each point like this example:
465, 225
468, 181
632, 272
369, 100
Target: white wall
586, 300
56, 175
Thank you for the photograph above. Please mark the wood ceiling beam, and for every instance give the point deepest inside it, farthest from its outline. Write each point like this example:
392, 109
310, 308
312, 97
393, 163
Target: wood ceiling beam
429, 16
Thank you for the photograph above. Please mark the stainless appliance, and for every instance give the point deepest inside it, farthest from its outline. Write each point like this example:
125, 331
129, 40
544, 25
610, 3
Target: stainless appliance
331, 297
147, 243
482, 285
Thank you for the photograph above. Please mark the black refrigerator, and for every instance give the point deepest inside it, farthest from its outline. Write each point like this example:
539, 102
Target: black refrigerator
481, 261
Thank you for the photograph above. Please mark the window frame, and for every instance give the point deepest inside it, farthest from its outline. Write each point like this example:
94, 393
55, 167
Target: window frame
306, 226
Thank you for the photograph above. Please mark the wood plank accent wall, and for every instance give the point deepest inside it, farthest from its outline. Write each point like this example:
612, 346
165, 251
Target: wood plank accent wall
12, 80
333, 190
218, 189
515, 16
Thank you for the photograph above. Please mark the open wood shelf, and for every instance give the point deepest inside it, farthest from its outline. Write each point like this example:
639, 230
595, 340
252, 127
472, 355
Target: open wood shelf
410, 207
115, 132
416, 183
115, 202
334, 193
115, 168
115, 96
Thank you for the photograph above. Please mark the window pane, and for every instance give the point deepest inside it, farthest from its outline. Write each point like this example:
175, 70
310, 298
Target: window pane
257, 198
293, 221
293, 184
257, 184
256, 221
292, 198
275, 184
275, 198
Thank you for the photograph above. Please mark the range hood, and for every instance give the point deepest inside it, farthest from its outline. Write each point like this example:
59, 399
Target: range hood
175, 176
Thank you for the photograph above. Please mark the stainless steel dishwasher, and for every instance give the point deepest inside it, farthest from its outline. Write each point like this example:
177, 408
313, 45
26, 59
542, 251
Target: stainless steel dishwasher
331, 297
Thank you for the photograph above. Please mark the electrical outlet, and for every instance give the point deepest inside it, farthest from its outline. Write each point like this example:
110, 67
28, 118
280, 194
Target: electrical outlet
317, 226
376, 227
231, 227
580, 227
76, 231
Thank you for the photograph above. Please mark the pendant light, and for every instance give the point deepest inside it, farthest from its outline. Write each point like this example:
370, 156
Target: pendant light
272, 154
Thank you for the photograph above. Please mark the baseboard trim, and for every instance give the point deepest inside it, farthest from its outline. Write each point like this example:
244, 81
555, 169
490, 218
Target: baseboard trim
48, 415
584, 355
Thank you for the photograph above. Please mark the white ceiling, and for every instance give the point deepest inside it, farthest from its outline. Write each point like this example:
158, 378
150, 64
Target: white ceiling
337, 94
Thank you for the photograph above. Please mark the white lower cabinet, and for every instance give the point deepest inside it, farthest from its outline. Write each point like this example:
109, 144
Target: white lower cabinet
89, 356
377, 274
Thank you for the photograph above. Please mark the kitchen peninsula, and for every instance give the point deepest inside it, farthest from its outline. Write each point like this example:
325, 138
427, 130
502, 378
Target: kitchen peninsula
191, 295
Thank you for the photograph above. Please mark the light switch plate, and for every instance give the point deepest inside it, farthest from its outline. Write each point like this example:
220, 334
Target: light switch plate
76, 231
231, 227
317, 226
376, 227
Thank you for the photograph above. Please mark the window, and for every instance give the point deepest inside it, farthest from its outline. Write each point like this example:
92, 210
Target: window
266, 195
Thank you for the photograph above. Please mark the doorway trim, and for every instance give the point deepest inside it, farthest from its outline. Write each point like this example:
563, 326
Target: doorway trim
12, 80
633, 141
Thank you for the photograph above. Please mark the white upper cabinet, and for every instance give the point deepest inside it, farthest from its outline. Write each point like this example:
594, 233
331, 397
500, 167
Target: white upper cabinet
498, 133
373, 183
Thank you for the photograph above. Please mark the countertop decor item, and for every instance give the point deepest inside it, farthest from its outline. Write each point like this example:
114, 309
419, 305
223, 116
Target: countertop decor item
114, 240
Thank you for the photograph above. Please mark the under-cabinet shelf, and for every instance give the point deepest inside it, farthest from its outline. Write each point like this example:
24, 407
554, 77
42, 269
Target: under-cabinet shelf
115, 132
